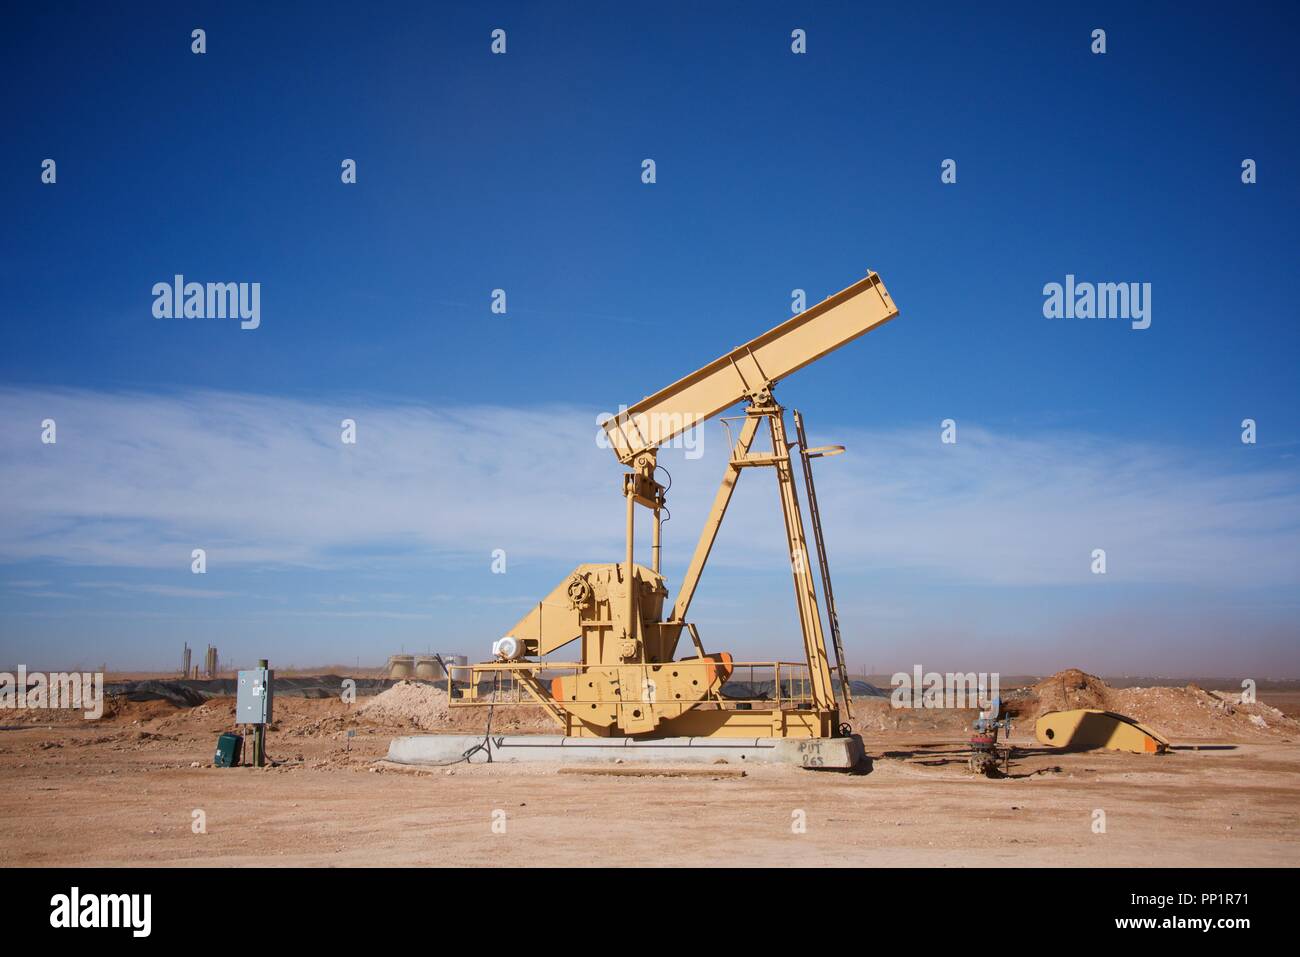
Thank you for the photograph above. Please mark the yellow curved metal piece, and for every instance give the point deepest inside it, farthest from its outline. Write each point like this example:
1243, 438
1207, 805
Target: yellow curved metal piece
1087, 729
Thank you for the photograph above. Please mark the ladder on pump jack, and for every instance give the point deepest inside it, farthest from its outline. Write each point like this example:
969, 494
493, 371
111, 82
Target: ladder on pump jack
806, 455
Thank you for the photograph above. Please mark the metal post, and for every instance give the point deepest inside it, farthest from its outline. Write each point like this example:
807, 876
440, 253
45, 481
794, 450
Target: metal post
259, 733
631, 593
654, 546
814, 515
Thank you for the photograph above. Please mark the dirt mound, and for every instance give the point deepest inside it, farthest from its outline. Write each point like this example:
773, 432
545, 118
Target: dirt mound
1072, 688
407, 707
408, 704
1189, 712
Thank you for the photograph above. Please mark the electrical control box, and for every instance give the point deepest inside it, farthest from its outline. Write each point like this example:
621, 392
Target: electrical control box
253, 696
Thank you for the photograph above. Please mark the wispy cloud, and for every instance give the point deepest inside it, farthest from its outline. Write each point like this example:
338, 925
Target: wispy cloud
140, 480
1030, 510
146, 588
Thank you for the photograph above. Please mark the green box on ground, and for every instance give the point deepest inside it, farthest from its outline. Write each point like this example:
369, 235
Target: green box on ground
229, 748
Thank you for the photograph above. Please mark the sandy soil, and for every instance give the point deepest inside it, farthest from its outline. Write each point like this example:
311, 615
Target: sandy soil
122, 791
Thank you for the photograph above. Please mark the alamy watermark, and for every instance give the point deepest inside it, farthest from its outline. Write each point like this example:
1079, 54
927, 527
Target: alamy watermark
212, 300
1101, 300
75, 909
685, 429
933, 689
53, 691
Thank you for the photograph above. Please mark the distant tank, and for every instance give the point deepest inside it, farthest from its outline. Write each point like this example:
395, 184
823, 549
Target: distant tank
428, 668
401, 666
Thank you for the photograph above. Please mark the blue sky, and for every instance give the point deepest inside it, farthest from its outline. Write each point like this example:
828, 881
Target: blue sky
775, 171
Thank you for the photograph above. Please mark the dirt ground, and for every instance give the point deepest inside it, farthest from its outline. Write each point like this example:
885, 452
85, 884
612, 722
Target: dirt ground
125, 791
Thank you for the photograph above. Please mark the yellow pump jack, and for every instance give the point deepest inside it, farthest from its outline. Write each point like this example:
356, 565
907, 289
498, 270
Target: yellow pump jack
627, 681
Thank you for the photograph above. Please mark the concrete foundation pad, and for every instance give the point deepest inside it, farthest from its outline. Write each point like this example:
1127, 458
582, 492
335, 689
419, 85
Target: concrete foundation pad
437, 749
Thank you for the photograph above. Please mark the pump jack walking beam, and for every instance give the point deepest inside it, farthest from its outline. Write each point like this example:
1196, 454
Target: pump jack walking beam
749, 371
